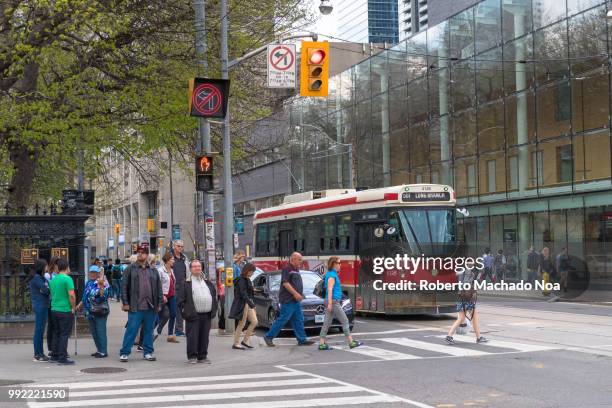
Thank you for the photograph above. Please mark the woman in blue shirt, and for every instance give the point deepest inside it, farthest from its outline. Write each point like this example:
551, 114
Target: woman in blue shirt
95, 303
333, 303
39, 294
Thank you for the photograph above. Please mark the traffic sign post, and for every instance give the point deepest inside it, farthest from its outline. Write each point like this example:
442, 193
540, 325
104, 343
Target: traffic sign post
281, 66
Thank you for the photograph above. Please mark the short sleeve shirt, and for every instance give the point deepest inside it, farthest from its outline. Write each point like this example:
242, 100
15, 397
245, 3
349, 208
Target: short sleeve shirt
292, 275
60, 286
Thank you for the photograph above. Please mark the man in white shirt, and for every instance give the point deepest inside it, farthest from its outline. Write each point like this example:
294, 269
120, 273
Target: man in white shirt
198, 303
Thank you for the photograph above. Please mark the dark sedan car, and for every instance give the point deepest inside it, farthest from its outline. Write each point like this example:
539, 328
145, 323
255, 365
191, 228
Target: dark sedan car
267, 286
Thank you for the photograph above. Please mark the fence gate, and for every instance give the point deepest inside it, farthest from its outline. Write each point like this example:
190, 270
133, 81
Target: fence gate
41, 230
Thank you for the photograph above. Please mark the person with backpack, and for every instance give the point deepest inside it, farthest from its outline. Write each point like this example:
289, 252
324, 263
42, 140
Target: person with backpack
117, 274
95, 303
333, 305
466, 308
243, 308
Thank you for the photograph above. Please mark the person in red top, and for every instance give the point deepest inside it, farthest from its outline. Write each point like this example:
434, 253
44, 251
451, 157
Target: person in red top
168, 312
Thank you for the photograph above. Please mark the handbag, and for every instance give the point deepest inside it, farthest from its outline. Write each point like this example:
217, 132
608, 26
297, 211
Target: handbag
319, 289
99, 308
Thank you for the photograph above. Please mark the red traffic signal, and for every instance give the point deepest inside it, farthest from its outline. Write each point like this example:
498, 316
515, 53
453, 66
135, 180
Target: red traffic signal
316, 56
204, 165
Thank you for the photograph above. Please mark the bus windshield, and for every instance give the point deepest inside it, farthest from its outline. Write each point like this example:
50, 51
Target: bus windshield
429, 232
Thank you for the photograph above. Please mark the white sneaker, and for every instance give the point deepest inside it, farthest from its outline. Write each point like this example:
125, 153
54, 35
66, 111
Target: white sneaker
123, 358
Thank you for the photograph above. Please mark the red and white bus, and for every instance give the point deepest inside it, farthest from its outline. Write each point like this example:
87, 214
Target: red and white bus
358, 226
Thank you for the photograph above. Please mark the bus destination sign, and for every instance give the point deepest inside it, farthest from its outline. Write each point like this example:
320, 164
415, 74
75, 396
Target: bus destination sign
426, 196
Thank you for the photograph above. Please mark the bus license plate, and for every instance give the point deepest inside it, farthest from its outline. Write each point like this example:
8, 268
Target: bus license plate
319, 318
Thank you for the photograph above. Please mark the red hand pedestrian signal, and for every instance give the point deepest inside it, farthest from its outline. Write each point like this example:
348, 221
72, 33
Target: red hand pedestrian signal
204, 173
204, 165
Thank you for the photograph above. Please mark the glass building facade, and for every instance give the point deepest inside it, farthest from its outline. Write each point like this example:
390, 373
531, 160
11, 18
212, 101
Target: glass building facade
507, 101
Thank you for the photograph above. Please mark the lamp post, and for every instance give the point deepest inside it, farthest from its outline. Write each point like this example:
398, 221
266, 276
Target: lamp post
349, 147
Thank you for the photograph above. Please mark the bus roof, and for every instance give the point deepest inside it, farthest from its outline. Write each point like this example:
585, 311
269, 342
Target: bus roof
333, 201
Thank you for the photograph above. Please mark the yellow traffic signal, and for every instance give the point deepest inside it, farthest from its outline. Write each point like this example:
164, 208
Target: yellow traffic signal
314, 68
150, 224
117, 228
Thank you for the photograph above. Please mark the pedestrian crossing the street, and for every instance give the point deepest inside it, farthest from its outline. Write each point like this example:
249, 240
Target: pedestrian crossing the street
282, 388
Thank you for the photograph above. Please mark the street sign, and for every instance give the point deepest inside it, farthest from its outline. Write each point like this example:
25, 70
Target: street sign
60, 253
29, 256
281, 66
210, 234
208, 97
111, 243
121, 239
176, 232
236, 242
239, 223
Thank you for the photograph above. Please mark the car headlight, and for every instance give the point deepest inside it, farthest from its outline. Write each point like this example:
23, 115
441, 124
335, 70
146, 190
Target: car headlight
346, 304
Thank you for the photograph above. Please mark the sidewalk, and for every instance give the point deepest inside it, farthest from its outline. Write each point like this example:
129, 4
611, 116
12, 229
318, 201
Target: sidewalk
17, 365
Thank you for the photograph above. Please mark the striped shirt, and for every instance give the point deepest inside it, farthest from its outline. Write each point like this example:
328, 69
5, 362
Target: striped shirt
202, 299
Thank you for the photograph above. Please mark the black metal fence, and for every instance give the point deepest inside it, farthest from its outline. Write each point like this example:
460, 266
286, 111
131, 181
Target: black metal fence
42, 228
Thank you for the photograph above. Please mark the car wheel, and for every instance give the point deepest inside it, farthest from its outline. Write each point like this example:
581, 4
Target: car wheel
271, 316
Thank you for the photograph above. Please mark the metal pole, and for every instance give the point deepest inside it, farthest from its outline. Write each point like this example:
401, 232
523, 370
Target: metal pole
350, 166
228, 222
204, 144
171, 192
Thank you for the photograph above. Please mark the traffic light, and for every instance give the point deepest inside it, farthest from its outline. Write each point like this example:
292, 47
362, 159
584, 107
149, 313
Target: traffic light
314, 68
117, 228
204, 173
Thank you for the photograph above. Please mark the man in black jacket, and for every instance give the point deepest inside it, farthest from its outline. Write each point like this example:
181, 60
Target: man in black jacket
142, 297
197, 300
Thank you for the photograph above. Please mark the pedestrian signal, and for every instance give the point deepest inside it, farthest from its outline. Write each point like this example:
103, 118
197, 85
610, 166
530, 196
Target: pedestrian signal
204, 173
314, 69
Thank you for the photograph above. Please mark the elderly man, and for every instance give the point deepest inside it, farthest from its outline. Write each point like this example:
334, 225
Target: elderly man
142, 297
180, 274
290, 295
197, 300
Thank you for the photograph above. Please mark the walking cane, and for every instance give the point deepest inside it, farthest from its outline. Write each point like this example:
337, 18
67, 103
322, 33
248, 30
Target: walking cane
75, 332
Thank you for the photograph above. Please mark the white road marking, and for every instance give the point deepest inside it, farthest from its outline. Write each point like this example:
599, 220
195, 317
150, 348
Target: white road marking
382, 354
438, 348
156, 381
198, 397
324, 402
504, 344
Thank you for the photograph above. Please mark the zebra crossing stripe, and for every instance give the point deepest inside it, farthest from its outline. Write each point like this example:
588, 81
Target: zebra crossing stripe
198, 397
198, 387
156, 381
322, 402
382, 354
438, 348
503, 344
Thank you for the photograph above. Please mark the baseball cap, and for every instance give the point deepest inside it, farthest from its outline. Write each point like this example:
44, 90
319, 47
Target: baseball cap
94, 268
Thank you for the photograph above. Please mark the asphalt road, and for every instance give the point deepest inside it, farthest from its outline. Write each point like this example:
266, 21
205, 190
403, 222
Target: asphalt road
540, 355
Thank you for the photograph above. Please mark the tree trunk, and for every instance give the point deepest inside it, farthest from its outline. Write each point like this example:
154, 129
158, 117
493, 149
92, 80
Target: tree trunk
25, 163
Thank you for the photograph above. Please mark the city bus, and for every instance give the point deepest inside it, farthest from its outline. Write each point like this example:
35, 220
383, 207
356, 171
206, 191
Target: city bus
360, 226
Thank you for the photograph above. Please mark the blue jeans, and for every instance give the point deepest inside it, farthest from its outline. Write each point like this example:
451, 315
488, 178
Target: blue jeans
97, 326
289, 311
167, 315
135, 319
117, 288
41, 313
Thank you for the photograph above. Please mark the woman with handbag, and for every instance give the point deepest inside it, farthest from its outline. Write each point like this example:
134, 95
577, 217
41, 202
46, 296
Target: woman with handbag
466, 308
95, 303
243, 308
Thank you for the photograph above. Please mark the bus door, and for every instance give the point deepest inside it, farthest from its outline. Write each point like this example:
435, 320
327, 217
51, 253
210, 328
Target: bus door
285, 244
369, 245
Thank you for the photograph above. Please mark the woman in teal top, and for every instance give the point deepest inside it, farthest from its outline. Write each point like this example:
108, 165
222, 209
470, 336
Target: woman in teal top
333, 303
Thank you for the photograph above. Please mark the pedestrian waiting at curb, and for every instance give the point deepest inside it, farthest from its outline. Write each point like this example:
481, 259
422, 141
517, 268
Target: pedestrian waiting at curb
466, 309
63, 304
39, 294
117, 272
533, 261
197, 300
142, 297
243, 307
290, 296
49, 275
333, 303
95, 303
168, 312
181, 272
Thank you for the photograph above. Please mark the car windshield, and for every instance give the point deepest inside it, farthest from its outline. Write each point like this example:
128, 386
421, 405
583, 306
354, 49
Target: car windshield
309, 279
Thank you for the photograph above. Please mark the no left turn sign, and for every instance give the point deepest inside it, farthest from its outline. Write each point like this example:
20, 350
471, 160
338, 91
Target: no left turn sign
281, 66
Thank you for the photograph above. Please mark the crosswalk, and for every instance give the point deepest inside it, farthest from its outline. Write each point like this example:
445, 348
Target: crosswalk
434, 346
283, 388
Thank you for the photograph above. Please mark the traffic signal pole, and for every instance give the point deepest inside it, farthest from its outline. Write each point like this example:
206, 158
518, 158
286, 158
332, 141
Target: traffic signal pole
204, 204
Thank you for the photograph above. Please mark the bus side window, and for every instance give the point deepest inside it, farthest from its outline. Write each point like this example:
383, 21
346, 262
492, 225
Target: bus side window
273, 239
299, 232
312, 235
344, 233
261, 248
328, 236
